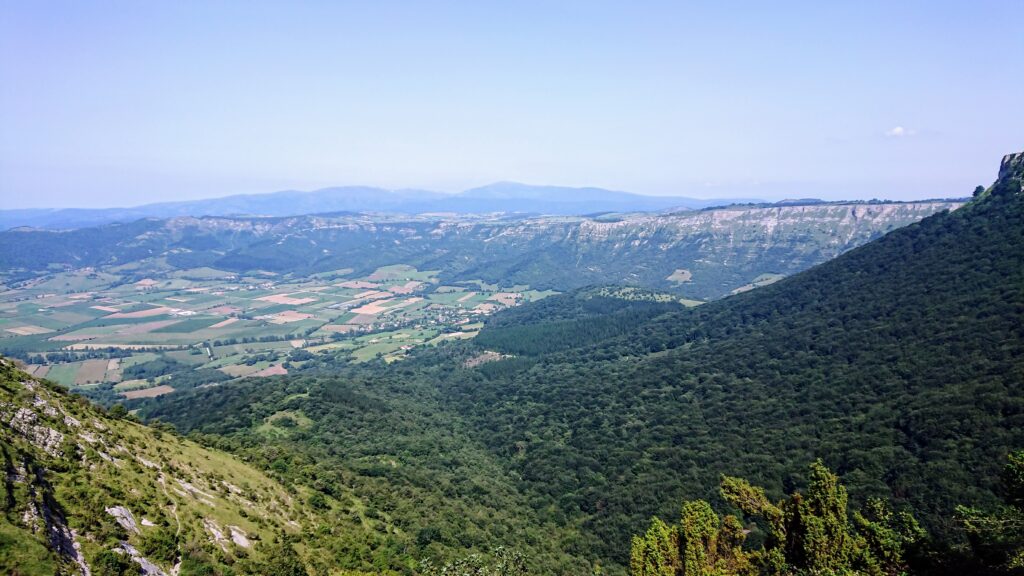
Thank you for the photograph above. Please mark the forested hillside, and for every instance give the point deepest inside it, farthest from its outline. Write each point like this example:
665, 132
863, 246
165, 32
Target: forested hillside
900, 364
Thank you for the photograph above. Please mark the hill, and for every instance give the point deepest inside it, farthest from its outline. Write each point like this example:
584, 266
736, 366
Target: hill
899, 363
499, 197
95, 492
701, 254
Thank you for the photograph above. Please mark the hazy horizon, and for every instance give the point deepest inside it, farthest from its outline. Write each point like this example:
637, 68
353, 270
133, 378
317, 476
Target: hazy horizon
120, 104
725, 197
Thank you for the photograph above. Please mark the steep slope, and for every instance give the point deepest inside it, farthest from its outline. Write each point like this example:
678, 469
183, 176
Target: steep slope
704, 255
900, 363
399, 451
89, 492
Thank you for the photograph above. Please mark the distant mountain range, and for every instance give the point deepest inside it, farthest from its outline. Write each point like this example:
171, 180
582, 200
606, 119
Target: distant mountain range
703, 254
498, 197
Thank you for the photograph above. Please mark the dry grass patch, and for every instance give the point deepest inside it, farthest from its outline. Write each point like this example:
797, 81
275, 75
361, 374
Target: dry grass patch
148, 392
275, 370
143, 313
133, 329
239, 370
506, 298
483, 358
680, 275
289, 316
91, 372
343, 328
407, 288
224, 323
28, 330
286, 299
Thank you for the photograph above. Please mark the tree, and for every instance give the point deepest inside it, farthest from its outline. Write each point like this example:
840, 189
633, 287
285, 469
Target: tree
161, 544
997, 537
886, 537
807, 534
501, 562
657, 552
698, 528
110, 563
282, 560
701, 545
709, 546
816, 525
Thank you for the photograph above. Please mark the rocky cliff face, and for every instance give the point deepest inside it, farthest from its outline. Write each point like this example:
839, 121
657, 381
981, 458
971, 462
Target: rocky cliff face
1012, 164
718, 250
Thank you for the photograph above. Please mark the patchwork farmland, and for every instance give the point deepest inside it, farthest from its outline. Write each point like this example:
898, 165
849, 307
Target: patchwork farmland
140, 333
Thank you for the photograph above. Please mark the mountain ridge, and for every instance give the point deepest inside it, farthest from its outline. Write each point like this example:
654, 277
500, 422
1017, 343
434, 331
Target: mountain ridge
497, 197
702, 253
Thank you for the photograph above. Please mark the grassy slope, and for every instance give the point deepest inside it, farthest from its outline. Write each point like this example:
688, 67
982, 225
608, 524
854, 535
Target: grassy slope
95, 462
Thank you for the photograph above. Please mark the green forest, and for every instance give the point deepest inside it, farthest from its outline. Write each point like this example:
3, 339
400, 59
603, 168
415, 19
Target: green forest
899, 365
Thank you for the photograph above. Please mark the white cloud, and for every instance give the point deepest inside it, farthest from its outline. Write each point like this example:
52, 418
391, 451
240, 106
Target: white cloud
899, 132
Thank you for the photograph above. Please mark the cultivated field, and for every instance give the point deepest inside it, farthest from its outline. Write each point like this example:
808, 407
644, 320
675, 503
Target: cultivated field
139, 333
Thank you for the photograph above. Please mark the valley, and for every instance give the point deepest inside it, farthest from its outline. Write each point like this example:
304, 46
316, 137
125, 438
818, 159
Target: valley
511, 289
133, 311
425, 408
100, 333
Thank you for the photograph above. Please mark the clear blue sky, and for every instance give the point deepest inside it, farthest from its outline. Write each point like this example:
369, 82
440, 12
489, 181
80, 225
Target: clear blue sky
122, 103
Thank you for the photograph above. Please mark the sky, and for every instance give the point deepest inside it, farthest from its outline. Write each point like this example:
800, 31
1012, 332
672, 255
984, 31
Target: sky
125, 103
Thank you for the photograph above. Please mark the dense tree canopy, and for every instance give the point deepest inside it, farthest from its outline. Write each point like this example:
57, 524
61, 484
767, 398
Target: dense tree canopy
899, 364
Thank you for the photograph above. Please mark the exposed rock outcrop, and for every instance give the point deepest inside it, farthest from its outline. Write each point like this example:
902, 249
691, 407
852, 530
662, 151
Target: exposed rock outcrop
1011, 164
25, 422
125, 518
146, 568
